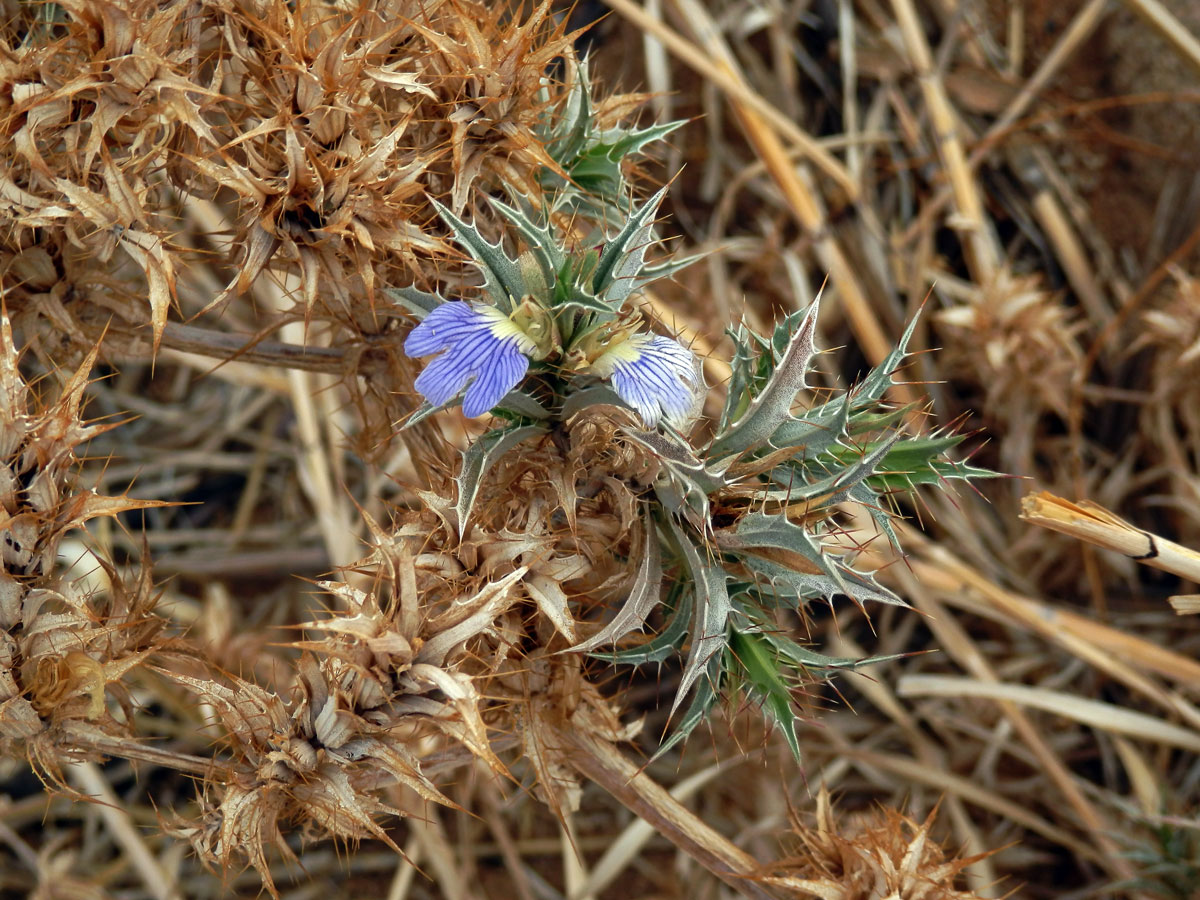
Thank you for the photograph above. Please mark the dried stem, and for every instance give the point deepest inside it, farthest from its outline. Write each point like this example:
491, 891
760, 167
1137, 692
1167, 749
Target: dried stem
604, 764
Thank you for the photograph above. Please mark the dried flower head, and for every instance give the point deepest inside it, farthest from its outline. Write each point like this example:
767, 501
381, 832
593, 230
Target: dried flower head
1014, 339
885, 854
61, 645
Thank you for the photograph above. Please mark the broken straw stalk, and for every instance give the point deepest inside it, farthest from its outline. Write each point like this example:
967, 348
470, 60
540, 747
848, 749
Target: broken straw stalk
1093, 523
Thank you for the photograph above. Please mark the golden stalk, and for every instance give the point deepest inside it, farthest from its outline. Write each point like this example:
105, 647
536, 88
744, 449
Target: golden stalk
1090, 522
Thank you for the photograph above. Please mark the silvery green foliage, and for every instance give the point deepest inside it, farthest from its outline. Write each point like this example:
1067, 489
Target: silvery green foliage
592, 280
768, 552
582, 291
591, 157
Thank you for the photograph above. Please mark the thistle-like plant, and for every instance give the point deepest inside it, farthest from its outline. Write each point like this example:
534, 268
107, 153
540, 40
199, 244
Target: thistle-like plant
739, 531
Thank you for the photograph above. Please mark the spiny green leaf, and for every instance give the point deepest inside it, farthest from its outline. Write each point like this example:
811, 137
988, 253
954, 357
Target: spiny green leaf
623, 256
918, 460
592, 158
812, 661
879, 379
501, 275
633, 141
680, 459
702, 703
868, 499
575, 123
650, 274
850, 413
426, 410
762, 530
763, 680
684, 483
843, 477
543, 243
597, 168
682, 499
790, 585
517, 404
708, 581
953, 468
663, 645
589, 303
419, 303
755, 359
772, 407
643, 595
480, 457
594, 171
768, 666
818, 429
749, 372
865, 421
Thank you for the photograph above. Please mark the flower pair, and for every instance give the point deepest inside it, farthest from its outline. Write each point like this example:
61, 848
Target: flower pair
486, 352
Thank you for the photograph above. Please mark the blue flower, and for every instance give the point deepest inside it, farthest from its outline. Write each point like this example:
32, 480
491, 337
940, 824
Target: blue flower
481, 350
653, 374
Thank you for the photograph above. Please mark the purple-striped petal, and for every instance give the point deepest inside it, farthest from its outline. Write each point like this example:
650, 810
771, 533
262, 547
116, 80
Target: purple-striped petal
481, 350
653, 374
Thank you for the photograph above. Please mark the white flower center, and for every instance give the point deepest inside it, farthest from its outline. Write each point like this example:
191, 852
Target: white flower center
503, 327
628, 350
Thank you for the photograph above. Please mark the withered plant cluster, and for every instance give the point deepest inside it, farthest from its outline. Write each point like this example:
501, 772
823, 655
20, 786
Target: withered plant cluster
290, 625
233, 189
161, 156
879, 853
62, 647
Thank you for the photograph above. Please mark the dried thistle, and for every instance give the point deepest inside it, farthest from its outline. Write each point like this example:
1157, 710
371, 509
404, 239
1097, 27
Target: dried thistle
313, 135
61, 647
385, 679
1169, 417
883, 854
1020, 344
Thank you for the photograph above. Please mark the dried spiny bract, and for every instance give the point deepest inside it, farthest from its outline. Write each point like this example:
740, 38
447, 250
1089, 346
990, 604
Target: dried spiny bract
471, 636
492, 73
512, 655
304, 138
58, 659
1175, 327
390, 659
1020, 344
90, 100
885, 854
1171, 418
312, 761
326, 145
60, 647
380, 681
60, 875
